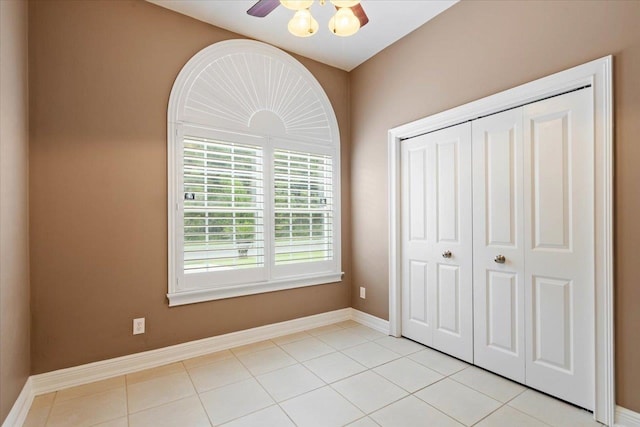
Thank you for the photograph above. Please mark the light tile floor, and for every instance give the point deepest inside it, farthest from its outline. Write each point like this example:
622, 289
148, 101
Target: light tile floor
336, 375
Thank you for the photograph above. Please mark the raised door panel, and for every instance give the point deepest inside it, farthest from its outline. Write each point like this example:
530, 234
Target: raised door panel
502, 312
559, 246
447, 218
448, 297
551, 145
417, 239
498, 231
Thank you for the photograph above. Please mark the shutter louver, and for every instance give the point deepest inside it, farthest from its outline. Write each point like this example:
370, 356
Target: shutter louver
223, 206
303, 207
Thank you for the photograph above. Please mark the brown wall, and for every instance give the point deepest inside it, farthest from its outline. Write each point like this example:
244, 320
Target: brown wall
475, 49
100, 77
14, 204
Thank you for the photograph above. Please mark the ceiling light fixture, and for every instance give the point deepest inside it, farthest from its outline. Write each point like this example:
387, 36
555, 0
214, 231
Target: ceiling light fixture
344, 23
302, 24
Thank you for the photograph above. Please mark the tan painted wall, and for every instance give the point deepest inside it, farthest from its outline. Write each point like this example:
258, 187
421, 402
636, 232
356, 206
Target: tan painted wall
475, 49
101, 74
14, 203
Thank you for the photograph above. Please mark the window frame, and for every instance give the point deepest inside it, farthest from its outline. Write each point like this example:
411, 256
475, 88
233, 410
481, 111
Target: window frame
247, 89
243, 282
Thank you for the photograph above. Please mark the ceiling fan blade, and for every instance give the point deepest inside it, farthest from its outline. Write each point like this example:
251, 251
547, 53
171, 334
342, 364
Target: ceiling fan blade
263, 8
359, 12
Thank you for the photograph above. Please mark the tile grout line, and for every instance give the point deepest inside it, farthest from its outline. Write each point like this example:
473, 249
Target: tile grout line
197, 392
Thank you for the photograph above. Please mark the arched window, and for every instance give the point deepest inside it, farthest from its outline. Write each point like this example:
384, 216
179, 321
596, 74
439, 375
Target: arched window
253, 176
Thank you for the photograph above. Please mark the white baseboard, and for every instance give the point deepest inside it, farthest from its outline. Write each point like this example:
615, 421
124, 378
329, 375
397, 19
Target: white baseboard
83, 374
373, 322
626, 417
20, 409
96, 371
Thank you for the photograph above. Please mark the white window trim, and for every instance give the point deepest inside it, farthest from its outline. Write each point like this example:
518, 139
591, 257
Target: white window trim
318, 134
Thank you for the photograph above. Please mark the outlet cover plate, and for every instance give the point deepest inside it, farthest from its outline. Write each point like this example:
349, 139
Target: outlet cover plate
138, 326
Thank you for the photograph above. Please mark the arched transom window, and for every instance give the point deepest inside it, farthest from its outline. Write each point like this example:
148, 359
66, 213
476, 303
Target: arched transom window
253, 176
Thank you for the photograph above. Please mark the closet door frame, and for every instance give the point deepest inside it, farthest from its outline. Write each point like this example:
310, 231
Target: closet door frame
598, 74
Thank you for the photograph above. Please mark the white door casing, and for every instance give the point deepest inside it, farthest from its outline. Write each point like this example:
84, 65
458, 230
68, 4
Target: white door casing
559, 246
437, 236
498, 230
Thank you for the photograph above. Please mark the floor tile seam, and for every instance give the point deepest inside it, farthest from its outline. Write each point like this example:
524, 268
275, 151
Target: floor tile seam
231, 350
302, 361
347, 347
46, 420
126, 380
207, 363
255, 351
204, 409
241, 416
427, 386
405, 389
481, 392
291, 342
359, 408
195, 393
56, 402
372, 367
85, 396
292, 397
436, 371
193, 387
296, 361
255, 378
502, 405
423, 366
126, 399
427, 403
193, 384
448, 415
362, 418
286, 413
529, 415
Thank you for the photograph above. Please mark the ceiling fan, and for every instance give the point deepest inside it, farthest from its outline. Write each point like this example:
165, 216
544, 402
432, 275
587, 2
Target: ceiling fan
349, 17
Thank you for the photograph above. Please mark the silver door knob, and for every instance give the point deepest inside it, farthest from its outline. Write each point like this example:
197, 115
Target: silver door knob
446, 254
500, 259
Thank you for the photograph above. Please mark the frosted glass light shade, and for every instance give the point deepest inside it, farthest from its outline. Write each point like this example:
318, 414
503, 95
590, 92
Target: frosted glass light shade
303, 24
344, 23
345, 3
296, 4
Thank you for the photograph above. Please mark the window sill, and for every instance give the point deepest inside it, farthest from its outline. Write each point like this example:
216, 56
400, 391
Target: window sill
193, 296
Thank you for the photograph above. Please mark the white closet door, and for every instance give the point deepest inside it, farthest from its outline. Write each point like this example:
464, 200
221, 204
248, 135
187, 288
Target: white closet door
437, 240
559, 242
498, 244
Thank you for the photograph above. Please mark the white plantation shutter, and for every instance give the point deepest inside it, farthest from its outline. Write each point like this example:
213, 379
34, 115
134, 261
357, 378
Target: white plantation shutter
253, 176
223, 213
303, 207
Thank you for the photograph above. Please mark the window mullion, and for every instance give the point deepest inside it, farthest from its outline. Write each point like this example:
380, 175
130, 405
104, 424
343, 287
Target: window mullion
268, 207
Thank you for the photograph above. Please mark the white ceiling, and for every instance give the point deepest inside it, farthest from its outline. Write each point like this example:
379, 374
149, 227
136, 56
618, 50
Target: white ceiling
389, 21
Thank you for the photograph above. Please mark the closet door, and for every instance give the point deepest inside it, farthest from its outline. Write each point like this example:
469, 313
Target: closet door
498, 244
437, 241
559, 242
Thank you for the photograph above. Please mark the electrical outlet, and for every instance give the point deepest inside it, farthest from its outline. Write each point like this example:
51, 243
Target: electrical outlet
363, 292
138, 326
